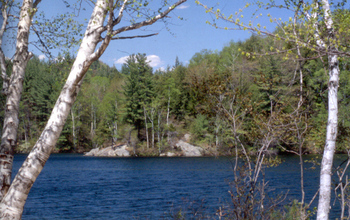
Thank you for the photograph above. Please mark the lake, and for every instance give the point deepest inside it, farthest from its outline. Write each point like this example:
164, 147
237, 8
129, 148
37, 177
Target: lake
72, 186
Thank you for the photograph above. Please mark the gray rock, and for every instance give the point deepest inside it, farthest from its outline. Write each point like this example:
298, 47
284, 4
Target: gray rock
118, 151
92, 152
168, 154
187, 137
190, 150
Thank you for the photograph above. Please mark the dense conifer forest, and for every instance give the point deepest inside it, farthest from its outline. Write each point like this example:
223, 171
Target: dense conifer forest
222, 98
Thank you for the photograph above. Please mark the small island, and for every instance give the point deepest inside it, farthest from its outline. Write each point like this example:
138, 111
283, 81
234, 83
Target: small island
181, 149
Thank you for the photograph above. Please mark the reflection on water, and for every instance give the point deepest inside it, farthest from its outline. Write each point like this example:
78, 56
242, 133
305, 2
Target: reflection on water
75, 187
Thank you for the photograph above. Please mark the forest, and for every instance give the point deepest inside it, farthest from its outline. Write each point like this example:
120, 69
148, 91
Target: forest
222, 98
276, 92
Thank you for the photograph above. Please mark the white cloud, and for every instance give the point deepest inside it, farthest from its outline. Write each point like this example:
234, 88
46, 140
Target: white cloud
42, 57
182, 7
153, 60
121, 60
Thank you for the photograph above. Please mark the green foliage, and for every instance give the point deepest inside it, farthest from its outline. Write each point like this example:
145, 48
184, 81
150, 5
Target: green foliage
62, 31
199, 128
138, 89
223, 98
291, 212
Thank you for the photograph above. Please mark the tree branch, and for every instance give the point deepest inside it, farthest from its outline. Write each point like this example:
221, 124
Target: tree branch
35, 4
109, 35
149, 21
120, 15
41, 42
136, 36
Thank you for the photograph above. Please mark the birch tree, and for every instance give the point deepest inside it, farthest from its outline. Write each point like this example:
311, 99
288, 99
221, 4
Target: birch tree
13, 85
98, 36
332, 125
311, 28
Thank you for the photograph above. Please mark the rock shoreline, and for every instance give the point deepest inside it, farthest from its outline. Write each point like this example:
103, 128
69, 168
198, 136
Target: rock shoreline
113, 151
183, 148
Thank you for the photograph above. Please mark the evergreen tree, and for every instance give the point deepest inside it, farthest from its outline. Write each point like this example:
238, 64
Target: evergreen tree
138, 89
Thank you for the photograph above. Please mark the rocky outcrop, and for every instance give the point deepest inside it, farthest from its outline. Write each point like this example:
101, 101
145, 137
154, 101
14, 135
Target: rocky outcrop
181, 148
189, 150
113, 151
169, 154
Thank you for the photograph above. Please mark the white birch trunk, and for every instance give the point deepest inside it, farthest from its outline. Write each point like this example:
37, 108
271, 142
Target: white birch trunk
328, 153
332, 124
151, 118
146, 126
14, 92
167, 119
158, 132
152, 121
5, 6
11, 207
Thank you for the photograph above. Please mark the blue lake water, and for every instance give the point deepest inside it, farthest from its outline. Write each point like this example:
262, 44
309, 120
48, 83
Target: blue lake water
75, 187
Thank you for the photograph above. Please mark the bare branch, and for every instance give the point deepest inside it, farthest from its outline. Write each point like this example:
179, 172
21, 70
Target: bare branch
109, 35
35, 4
120, 15
111, 23
149, 21
41, 42
313, 198
136, 36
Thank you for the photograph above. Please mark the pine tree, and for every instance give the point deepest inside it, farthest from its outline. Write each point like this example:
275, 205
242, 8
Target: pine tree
138, 89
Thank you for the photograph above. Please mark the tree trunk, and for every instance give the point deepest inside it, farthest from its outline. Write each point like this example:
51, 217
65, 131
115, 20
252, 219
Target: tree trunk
167, 120
5, 8
332, 125
14, 92
328, 153
11, 206
152, 121
158, 132
144, 112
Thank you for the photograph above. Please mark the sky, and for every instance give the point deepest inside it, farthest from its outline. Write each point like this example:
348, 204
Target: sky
180, 38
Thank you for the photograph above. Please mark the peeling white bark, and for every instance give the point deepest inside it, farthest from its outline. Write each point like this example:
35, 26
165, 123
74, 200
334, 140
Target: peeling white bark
158, 131
13, 89
332, 125
146, 127
328, 153
5, 79
11, 207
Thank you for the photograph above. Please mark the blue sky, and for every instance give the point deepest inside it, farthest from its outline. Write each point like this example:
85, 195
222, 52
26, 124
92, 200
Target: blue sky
185, 38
